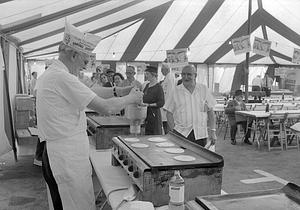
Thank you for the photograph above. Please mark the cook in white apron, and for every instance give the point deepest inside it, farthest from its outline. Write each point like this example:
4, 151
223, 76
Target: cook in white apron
71, 170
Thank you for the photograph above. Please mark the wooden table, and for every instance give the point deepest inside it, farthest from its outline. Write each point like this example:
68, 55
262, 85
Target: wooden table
260, 118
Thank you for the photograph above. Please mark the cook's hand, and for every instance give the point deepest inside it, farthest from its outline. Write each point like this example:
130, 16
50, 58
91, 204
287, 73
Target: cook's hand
137, 95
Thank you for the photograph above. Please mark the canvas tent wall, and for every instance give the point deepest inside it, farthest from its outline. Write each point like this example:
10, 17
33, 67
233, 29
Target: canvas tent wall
142, 30
12, 82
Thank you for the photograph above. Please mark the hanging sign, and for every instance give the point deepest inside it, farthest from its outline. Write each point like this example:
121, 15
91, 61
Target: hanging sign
262, 46
296, 56
241, 45
177, 58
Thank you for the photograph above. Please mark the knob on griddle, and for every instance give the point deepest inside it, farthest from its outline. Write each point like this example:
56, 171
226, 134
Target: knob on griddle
125, 162
121, 157
130, 168
136, 174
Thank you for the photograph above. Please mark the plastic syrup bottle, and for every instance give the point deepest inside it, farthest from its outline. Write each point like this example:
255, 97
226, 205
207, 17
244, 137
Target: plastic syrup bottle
176, 192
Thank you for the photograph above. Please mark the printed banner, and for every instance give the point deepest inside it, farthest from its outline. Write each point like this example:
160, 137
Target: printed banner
177, 58
261, 46
241, 45
296, 56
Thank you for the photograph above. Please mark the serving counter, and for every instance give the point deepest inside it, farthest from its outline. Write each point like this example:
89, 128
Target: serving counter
103, 128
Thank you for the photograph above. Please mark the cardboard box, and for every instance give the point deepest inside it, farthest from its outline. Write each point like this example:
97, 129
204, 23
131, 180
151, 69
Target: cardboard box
22, 119
25, 138
25, 103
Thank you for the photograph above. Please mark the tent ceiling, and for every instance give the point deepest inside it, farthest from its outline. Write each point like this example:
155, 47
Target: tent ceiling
142, 30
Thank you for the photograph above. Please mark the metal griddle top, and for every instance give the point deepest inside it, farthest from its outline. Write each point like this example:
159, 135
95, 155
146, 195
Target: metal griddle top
156, 157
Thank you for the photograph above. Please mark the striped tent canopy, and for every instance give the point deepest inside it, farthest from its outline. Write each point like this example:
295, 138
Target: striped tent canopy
142, 30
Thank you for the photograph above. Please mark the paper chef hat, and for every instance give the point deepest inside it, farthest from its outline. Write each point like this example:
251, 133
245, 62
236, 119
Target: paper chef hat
83, 42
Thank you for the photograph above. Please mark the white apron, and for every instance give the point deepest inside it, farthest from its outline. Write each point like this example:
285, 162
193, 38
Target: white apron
71, 168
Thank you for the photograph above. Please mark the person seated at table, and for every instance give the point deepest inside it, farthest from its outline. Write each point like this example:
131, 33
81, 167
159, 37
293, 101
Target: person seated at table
237, 104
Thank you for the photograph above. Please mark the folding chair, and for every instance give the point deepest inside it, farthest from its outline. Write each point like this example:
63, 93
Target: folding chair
275, 130
289, 135
259, 107
224, 124
275, 107
274, 100
290, 107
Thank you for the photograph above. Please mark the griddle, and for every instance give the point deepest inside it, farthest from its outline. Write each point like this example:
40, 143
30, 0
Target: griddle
156, 158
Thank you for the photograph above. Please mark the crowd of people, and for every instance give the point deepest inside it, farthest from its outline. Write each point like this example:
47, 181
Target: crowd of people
63, 92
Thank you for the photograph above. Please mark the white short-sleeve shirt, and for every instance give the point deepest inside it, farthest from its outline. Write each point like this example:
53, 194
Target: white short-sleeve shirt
61, 99
168, 85
190, 109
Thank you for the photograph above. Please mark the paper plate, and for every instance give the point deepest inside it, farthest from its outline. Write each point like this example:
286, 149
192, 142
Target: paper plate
157, 139
131, 139
139, 145
174, 150
184, 158
165, 144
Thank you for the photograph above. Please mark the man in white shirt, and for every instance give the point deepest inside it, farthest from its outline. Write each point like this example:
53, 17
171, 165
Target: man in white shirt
256, 85
168, 85
190, 109
61, 120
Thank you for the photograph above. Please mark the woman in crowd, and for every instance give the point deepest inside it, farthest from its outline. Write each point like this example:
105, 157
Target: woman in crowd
103, 79
154, 99
118, 79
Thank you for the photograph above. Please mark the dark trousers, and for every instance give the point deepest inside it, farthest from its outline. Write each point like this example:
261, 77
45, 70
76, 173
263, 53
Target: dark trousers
39, 150
256, 88
49, 178
233, 129
191, 137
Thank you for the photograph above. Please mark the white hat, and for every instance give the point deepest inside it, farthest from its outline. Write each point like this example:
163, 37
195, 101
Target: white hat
83, 42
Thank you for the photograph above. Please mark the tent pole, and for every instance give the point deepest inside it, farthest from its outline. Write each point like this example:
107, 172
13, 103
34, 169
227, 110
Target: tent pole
246, 69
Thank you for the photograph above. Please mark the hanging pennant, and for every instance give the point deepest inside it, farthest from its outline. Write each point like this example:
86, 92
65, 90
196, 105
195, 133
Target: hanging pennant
177, 58
262, 46
241, 45
296, 56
